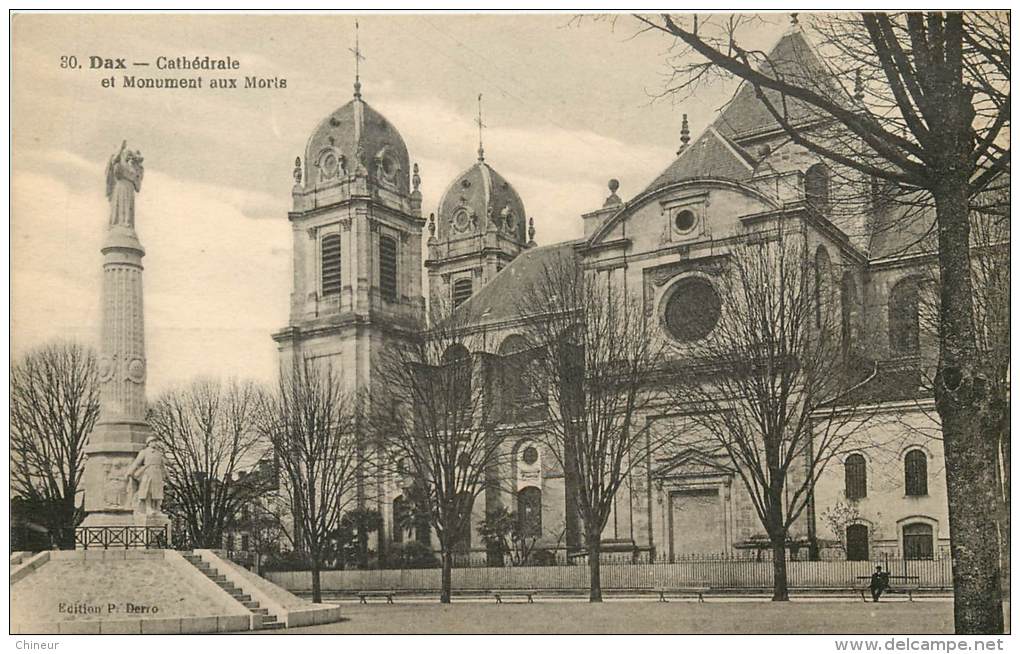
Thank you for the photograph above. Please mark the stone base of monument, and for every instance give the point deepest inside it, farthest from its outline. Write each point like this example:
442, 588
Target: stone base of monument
148, 591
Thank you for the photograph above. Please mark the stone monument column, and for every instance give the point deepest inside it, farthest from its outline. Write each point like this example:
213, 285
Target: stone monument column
121, 431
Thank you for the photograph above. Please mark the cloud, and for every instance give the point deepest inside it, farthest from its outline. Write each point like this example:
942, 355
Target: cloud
216, 282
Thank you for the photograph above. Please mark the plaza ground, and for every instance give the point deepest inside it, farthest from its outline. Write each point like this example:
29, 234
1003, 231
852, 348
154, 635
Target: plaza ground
726, 616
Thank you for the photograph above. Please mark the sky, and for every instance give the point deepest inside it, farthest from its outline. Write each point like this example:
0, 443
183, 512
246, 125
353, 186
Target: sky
568, 103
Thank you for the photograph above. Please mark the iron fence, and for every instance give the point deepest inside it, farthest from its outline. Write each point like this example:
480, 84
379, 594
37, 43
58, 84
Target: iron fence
130, 537
934, 574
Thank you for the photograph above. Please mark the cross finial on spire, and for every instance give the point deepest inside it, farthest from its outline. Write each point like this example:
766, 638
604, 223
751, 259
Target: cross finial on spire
358, 58
481, 125
794, 21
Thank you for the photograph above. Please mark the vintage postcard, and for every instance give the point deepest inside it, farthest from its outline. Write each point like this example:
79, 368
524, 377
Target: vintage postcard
511, 323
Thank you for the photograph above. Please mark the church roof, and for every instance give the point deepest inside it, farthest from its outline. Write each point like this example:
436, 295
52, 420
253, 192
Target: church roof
357, 136
481, 194
500, 299
792, 59
711, 155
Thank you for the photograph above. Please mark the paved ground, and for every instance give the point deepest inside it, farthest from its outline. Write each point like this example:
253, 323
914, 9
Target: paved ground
749, 616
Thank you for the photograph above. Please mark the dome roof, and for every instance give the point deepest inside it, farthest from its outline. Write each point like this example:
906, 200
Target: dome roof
357, 137
478, 196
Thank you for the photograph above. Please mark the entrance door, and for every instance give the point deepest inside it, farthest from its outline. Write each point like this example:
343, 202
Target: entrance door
695, 518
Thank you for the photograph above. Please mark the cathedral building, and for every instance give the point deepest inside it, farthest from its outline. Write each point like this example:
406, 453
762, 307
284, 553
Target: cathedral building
357, 223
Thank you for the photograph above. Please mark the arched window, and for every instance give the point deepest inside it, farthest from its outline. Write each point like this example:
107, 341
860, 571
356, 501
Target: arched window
903, 317
823, 277
329, 248
400, 518
457, 374
847, 302
518, 373
816, 187
461, 291
857, 543
917, 541
856, 473
388, 268
529, 511
915, 472
462, 535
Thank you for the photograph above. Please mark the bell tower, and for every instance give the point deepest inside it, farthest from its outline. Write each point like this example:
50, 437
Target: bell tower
481, 226
356, 226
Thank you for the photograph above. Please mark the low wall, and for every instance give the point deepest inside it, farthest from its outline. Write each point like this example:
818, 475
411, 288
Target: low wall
821, 575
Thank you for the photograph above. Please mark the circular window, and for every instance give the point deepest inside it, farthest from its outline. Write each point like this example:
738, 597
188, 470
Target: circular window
530, 455
692, 310
684, 220
461, 221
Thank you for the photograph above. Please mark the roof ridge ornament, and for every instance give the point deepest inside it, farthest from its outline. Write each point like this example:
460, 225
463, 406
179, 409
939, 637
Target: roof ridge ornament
685, 136
358, 58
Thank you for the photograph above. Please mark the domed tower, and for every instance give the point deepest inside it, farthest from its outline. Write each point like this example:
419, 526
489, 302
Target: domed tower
357, 230
481, 226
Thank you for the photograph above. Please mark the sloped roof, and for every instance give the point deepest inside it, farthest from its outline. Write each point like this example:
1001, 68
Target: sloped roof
711, 155
792, 59
500, 299
900, 231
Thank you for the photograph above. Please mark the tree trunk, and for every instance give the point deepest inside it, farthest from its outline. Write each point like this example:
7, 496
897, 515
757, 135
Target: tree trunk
595, 567
316, 581
961, 397
447, 583
780, 589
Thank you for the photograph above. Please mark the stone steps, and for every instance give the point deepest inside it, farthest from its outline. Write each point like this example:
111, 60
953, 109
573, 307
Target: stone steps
267, 620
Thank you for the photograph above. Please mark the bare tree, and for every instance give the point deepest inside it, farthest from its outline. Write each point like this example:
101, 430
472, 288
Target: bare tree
209, 431
770, 384
990, 240
433, 416
929, 112
311, 422
600, 351
54, 407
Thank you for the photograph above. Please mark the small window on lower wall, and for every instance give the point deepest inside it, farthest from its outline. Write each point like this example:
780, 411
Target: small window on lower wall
918, 542
857, 543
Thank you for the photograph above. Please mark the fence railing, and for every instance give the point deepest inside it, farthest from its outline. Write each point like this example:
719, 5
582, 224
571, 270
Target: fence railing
732, 574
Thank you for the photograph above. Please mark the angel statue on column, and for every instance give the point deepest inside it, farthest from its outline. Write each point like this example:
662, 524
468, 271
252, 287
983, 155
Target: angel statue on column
123, 180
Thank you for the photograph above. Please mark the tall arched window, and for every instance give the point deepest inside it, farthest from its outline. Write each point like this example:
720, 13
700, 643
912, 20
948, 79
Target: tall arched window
915, 472
816, 187
517, 372
457, 375
462, 536
329, 248
856, 472
461, 291
400, 518
918, 541
857, 543
529, 511
847, 302
823, 278
903, 316
388, 268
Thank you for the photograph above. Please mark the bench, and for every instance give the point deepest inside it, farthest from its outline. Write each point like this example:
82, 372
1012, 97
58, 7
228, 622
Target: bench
530, 594
388, 594
682, 590
905, 585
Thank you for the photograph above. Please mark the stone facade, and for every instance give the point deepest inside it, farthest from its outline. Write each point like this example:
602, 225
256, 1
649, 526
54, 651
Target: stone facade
740, 173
